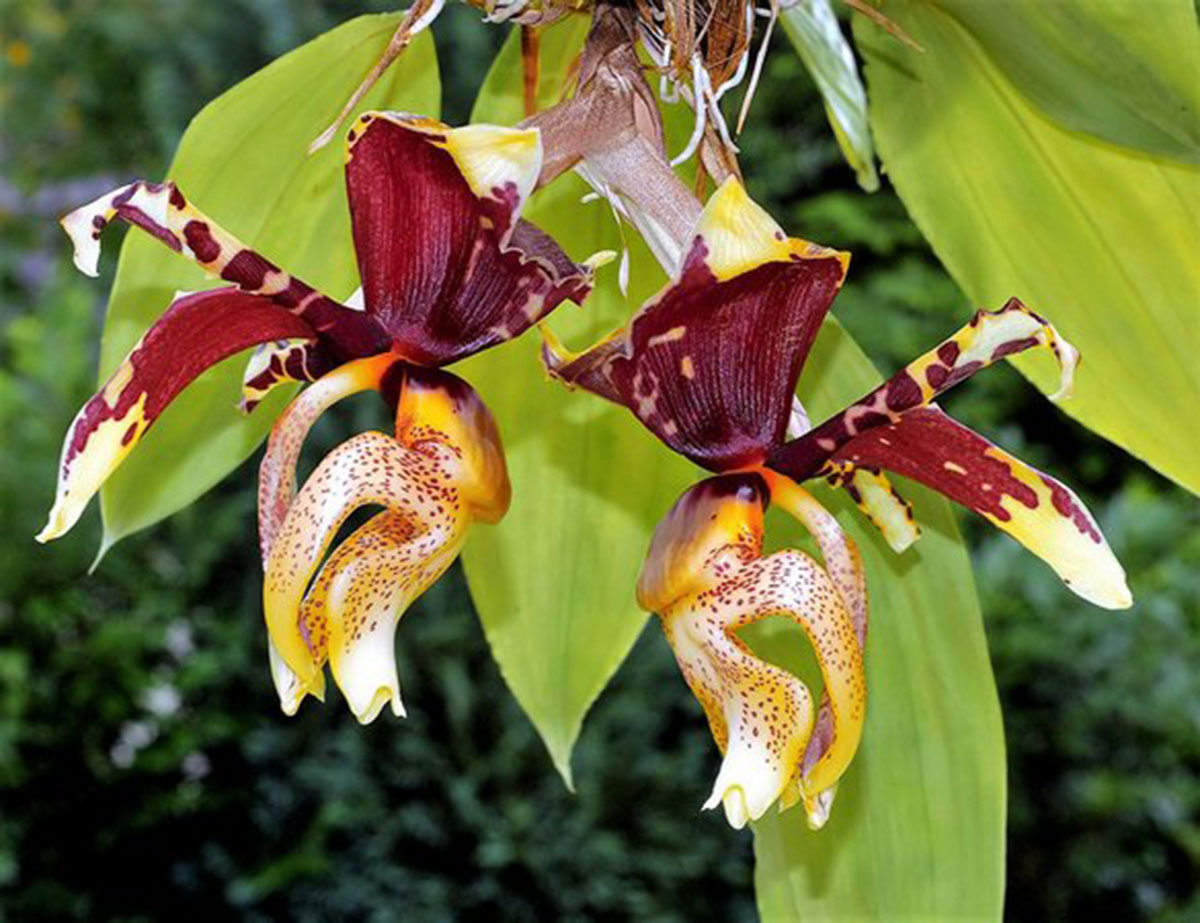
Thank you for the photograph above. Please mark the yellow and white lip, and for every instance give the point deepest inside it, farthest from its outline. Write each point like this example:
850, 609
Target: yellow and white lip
706, 578
761, 715
442, 470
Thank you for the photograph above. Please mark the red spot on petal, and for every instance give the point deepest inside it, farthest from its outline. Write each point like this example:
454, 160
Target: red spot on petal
200, 240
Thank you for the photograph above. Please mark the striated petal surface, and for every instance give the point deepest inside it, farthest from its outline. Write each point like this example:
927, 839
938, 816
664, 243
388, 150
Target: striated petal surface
710, 364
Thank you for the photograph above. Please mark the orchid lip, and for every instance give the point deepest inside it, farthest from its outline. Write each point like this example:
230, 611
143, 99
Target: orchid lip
441, 470
706, 577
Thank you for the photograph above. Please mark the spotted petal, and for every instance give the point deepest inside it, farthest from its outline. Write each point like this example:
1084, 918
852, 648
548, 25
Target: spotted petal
196, 332
161, 210
844, 567
277, 473
277, 489
362, 591
448, 265
710, 364
706, 579
989, 337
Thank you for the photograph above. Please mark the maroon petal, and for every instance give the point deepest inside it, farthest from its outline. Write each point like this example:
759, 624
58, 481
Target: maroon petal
710, 364
1041, 513
196, 332
448, 267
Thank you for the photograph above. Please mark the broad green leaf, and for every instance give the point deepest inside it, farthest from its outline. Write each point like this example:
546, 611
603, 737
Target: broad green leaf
243, 161
1125, 72
553, 583
1099, 239
917, 829
813, 30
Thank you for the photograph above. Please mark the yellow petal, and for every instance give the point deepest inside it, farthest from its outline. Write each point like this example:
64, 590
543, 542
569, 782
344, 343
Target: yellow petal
873, 493
762, 712
370, 468
442, 470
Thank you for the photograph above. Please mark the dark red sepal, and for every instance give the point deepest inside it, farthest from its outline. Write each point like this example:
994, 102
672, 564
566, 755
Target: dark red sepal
710, 366
448, 269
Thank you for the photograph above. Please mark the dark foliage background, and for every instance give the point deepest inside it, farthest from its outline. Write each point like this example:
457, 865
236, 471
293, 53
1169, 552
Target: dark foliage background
145, 771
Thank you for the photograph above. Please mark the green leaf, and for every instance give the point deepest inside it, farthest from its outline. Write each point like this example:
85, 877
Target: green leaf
1125, 72
1097, 238
243, 161
554, 582
917, 829
814, 32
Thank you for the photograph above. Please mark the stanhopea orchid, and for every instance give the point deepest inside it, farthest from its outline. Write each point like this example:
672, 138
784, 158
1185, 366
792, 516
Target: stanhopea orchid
710, 365
448, 268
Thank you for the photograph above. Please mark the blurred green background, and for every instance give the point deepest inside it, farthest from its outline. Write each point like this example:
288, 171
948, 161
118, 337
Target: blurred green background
145, 770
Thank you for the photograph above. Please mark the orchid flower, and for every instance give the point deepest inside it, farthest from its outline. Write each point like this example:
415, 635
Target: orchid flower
710, 365
448, 268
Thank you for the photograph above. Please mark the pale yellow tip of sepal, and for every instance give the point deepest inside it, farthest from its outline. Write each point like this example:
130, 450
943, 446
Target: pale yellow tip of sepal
85, 224
738, 233
1108, 589
85, 242
63, 516
491, 156
1068, 358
